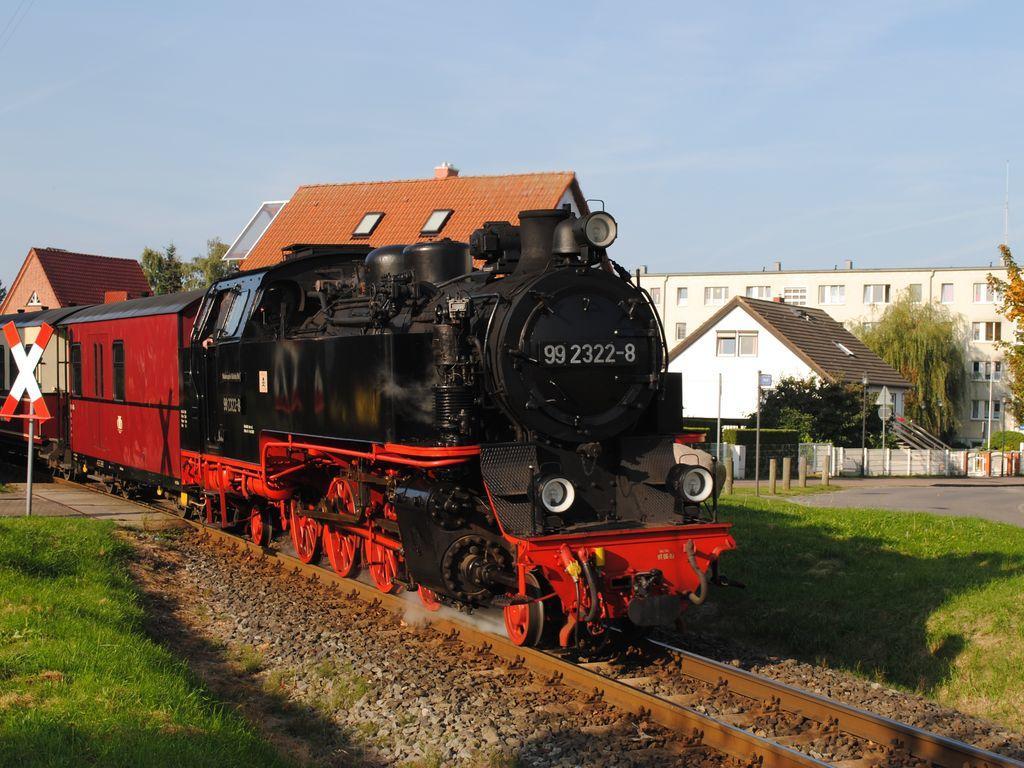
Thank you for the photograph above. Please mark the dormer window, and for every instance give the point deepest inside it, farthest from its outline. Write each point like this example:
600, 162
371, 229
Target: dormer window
367, 224
436, 221
33, 300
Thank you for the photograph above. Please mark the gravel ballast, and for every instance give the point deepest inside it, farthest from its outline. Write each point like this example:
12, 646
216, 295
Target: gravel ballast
339, 682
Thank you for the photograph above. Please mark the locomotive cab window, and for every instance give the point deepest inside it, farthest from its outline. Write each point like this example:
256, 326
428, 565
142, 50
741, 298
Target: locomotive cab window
76, 369
225, 319
117, 352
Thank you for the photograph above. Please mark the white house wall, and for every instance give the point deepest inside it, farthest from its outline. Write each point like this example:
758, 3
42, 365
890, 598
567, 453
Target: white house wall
700, 367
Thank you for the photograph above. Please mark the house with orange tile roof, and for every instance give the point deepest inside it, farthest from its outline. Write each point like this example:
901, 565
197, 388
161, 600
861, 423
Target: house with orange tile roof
50, 278
391, 212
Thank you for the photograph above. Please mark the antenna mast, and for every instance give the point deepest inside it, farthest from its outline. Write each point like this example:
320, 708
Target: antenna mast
1006, 208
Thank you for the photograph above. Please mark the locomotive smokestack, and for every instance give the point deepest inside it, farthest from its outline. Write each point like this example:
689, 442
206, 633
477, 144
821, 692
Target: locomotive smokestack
536, 237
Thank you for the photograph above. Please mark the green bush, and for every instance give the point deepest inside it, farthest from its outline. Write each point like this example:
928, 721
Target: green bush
1008, 440
768, 436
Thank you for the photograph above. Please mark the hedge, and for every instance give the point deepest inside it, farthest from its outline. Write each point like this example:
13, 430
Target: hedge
768, 436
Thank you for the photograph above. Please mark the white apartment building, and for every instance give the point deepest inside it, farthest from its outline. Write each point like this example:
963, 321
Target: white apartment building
856, 297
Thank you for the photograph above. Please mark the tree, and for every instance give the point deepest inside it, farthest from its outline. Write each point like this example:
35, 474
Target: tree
1011, 305
204, 270
926, 343
3, 291
822, 411
163, 269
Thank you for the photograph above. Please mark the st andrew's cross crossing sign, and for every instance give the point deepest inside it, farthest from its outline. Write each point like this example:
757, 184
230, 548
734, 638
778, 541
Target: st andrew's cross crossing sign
26, 383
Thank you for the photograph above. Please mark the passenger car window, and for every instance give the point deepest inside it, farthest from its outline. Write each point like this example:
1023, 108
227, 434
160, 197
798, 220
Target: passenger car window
117, 350
76, 369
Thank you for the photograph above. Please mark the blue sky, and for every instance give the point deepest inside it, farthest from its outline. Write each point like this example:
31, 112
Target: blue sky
720, 135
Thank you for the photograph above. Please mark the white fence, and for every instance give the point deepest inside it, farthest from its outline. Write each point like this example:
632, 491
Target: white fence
912, 462
885, 462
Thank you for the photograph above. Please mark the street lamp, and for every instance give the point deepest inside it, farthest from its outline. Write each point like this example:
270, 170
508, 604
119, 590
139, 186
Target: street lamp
864, 425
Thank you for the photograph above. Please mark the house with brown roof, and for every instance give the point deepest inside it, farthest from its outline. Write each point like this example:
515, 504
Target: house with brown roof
52, 277
391, 212
748, 337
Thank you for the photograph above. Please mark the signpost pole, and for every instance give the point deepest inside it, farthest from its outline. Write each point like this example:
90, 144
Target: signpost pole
757, 441
718, 425
31, 450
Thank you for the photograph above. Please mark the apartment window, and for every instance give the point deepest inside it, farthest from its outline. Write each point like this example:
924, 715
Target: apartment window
877, 293
656, 295
97, 370
982, 370
987, 331
76, 369
831, 294
436, 221
726, 344
117, 353
716, 294
732, 343
747, 343
797, 296
367, 224
759, 292
914, 291
680, 331
682, 295
946, 295
983, 293
979, 409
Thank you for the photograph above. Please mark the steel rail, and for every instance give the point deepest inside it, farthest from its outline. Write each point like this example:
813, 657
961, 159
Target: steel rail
938, 750
694, 727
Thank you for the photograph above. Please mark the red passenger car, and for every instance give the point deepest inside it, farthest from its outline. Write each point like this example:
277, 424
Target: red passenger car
125, 388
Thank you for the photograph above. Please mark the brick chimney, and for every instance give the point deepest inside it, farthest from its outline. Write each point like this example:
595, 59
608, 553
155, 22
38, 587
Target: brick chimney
445, 171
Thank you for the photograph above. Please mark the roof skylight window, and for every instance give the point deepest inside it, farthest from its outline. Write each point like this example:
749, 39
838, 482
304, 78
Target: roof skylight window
436, 221
367, 224
844, 349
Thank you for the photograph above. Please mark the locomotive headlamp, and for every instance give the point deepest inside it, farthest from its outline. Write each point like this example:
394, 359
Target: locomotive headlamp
557, 494
697, 484
598, 230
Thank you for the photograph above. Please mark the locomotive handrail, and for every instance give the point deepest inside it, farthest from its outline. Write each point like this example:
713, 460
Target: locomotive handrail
461, 454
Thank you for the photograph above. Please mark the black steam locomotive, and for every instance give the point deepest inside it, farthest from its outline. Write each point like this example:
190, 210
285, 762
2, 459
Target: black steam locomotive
499, 435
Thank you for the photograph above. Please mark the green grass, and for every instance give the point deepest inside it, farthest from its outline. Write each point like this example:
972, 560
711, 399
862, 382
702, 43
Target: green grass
922, 602
747, 489
80, 681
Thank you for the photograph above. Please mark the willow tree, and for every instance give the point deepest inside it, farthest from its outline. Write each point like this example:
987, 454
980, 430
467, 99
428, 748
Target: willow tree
926, 343
1011, 305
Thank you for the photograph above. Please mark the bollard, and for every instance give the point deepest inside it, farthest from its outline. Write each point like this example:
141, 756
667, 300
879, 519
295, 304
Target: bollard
771, 476
801, 469
728, 474
824, 470
787, 470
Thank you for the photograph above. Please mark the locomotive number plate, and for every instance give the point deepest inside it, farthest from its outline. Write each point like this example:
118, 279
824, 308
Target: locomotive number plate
616, 352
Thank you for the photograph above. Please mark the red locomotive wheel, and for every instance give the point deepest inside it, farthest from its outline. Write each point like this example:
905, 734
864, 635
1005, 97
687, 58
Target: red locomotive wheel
342, 550
382, 564
429, 598
259, 531
524, 623
305, 533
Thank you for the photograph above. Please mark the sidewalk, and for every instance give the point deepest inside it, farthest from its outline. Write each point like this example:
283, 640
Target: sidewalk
60, 500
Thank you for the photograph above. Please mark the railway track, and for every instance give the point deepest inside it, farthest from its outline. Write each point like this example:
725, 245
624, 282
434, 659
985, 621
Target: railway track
804, 728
